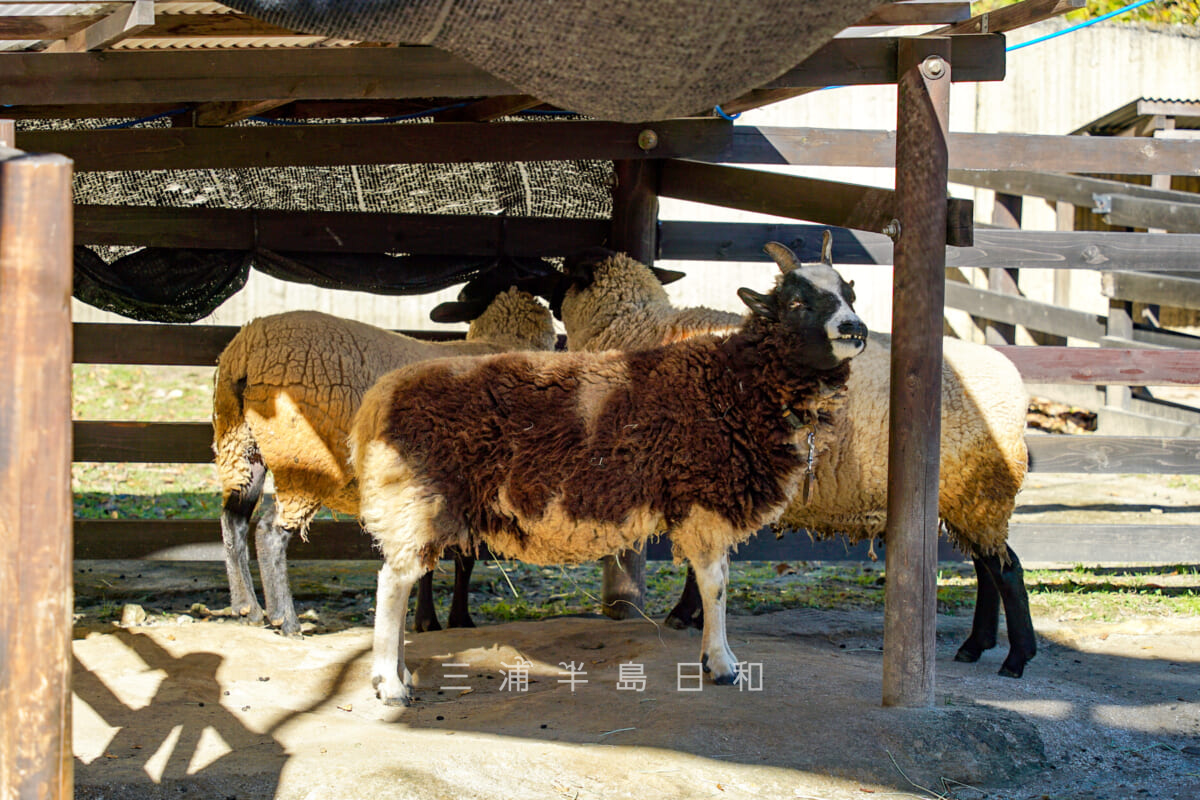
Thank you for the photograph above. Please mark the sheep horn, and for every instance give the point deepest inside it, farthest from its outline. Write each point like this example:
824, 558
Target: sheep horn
827, 248
783, 256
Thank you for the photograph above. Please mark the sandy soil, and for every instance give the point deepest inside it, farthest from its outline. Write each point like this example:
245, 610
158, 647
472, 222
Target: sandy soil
230, 711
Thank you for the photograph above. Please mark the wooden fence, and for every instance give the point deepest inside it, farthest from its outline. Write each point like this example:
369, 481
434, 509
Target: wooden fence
1128, 364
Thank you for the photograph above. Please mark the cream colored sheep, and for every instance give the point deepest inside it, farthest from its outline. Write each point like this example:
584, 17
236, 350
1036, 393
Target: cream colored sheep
566, 457
615, 302
286, 390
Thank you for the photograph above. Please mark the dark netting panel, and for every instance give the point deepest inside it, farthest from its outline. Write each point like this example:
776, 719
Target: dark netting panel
626, 60
168, 285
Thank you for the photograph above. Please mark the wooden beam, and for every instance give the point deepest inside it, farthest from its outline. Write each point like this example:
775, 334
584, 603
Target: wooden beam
1098, 366
36, 757
1144, 212
1075, 189
1114, 454
121, 24
1016, 310
856, 62
917, 13
1167, 290
992, 152
42, 28
914, 417
842, 204
467, 235
1009, 18
742, 241
1104, 545
200, 540
336, 145
176, 345
143, 442
236, 75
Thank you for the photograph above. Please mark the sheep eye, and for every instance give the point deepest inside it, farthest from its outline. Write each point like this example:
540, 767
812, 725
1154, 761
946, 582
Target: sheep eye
793, 305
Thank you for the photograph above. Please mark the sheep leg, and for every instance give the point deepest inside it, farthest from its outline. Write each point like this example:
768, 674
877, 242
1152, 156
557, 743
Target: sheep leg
425, 619
623, 592
689, 611
460, 604
1022, 644
389, 676
271, 540
712, 577
235, 525
987, 615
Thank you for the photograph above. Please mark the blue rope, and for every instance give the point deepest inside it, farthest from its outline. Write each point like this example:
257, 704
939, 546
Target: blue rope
130, 123
1065, 31
721, 113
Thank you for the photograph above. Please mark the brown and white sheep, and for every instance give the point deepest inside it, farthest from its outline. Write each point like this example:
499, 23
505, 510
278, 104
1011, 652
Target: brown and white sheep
615, 302
566, 457
286, 390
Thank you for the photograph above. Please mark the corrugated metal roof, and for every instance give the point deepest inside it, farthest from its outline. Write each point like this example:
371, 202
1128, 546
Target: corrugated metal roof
1139, 112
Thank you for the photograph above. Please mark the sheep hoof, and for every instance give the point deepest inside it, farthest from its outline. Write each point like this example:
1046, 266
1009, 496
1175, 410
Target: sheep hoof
1013, 666
967, 655
721, 677
392, 692
250, 614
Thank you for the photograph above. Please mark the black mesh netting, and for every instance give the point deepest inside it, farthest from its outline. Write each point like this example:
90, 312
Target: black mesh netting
625, 60
184, 285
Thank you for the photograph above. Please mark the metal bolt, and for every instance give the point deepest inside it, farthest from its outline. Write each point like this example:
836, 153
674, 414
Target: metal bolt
933, 67
647, 140
892, 230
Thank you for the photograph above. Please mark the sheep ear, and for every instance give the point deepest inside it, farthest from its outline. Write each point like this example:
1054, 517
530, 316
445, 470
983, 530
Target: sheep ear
457, 312
666, 276
827, 248
762, 305
782, 255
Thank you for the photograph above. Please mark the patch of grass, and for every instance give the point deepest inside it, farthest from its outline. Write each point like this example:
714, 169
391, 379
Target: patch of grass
124, 392
1113, 595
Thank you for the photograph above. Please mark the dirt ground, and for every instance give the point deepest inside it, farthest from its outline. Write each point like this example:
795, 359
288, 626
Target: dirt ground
224, 710
201, 706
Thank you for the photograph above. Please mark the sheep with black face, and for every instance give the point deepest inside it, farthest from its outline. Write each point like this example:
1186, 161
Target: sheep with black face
567, 457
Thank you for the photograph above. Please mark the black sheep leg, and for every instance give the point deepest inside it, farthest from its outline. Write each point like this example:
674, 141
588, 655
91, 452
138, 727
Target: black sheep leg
235, 525
271, 541
987, 612
425, 618
689, 611
1022, 644
460, 604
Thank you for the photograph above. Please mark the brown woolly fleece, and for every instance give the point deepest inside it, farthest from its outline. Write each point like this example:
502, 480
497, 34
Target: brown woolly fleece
566, 457
287, 387
983, 453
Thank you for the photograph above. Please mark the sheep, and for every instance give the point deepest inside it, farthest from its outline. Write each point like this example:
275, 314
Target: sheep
613, 301
567, 457
285, 393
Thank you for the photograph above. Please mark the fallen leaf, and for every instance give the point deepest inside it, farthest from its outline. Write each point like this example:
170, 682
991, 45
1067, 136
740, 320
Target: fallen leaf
347, 707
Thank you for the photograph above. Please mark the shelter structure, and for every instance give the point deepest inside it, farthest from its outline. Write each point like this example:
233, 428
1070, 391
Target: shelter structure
627, 95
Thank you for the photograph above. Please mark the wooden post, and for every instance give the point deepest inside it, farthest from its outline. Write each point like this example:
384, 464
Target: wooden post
918, 299
634, 231
35, 476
